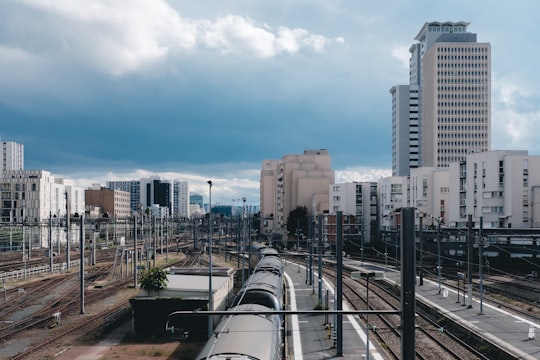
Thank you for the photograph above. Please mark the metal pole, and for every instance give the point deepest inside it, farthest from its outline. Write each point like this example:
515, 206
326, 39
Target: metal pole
339, 288
480, 264
311, 236
420, 239
469, 261
439, 254
386, 253
50, 243
210, 240
408, 304
81, 265
135, 251
68, 235
319, 251
367, 318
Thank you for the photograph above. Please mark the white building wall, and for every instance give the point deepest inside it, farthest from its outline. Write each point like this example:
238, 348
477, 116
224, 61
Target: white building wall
392, 196
12, 156
491, 185
401, 145
181, 199
429, 193
300, 180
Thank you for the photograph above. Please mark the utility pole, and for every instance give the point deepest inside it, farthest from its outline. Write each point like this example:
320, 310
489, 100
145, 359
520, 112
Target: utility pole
81, 260
339, 279
420, 236
480, 263
50, 243
469, 261
408, 302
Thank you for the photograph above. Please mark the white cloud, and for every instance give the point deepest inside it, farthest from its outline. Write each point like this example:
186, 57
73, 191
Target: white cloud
515, 116
224, 188
361, 174
402, 54
126, 36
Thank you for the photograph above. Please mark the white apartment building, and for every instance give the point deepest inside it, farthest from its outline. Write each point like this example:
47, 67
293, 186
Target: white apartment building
293, 181
32, 197
359, 199
429, 192
502, 187
12, 156
392, 197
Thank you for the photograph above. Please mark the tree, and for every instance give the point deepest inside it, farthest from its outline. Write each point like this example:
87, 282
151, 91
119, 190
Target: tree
153, 279
298, 223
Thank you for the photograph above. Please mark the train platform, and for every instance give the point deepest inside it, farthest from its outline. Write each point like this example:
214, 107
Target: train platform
311, 337
516, 334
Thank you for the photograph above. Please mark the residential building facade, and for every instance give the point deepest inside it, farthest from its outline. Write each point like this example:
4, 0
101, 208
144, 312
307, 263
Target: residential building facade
502, 187
359, 199
296, 180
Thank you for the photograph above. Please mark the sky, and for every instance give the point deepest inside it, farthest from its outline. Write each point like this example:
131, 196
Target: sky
204, 90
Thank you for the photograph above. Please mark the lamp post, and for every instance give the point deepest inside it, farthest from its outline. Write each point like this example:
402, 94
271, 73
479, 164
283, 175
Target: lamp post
210, 291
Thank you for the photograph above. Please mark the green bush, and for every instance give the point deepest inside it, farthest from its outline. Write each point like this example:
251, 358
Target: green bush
153, 279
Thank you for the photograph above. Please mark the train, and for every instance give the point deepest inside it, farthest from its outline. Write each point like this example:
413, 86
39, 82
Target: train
259, 334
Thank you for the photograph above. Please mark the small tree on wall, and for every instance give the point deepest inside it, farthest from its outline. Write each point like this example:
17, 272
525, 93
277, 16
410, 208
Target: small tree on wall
153, 279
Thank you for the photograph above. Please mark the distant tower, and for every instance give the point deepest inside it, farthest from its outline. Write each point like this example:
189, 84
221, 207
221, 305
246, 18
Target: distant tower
449, 97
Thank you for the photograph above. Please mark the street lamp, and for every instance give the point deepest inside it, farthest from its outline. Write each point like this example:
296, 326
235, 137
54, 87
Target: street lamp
210, 291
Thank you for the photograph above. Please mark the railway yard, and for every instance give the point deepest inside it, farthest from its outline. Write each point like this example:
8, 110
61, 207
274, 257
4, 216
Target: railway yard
42, 316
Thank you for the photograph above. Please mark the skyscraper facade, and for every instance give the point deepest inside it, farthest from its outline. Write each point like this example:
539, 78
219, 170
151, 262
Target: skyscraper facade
449, 96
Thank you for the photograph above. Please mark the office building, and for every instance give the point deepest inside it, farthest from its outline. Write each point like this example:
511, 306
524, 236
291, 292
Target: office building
113, 203
133, 187
449, 98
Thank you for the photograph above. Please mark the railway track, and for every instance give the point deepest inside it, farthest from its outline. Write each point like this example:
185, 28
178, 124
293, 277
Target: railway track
430, 341
66, 298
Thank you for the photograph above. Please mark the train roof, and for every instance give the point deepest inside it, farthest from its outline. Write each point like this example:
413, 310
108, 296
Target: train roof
270, 263
240, 335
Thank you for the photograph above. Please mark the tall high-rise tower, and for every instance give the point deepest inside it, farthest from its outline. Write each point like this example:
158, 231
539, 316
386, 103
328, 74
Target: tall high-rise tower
449, 94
